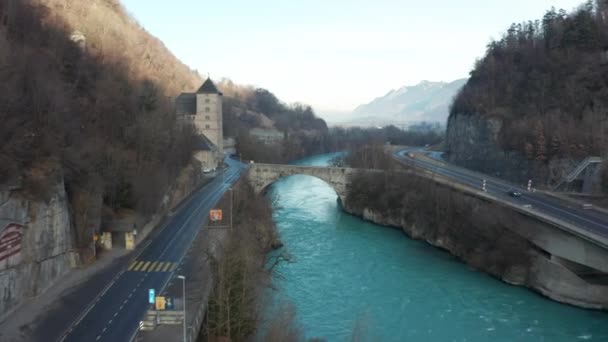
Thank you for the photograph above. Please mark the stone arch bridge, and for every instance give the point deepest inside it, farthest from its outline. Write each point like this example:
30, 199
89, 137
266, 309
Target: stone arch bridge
263, 175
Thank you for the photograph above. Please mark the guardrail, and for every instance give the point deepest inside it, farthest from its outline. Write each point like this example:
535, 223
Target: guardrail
526, 210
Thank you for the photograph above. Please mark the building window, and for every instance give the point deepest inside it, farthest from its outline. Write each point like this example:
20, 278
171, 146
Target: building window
207, 126
206, 100
207, 109
207, 117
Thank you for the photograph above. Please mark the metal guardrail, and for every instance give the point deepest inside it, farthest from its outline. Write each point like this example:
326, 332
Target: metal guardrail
564, 225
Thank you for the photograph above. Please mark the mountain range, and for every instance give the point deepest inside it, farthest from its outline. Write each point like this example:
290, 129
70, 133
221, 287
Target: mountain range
425, 101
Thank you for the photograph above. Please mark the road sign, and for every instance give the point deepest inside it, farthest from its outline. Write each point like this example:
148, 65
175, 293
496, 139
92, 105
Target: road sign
215, 214
151, 295
160, 303
168, 303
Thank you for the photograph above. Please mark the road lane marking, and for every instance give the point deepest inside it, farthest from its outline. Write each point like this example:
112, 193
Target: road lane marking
139, 265
152, 266
190, 204
143, 269
173, 267
467, 176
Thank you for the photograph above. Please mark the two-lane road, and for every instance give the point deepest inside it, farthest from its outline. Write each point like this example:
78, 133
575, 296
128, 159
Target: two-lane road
115, 314
593, 221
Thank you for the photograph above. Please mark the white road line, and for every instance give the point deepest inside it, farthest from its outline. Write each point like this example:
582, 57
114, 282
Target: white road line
115, 314
501, 185
98, 337
110, 322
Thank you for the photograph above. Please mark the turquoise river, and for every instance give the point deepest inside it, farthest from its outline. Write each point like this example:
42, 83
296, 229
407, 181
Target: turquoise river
346, 270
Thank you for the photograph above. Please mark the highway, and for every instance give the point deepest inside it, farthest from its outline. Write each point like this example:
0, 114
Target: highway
114, 315
592, 221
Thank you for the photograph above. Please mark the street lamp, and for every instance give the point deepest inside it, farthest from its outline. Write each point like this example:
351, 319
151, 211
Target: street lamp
184, 296
231, 196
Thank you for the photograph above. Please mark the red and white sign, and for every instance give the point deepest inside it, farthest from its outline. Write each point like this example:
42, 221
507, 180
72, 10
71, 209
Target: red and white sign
10, 240
215, 215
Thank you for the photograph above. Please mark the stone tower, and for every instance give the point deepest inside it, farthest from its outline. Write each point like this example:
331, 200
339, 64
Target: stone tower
208, 118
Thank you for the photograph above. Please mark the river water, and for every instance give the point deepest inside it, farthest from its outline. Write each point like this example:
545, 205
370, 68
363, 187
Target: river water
347, 272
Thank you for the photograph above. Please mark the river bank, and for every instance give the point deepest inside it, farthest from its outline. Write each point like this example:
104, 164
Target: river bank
481, 234
347, 274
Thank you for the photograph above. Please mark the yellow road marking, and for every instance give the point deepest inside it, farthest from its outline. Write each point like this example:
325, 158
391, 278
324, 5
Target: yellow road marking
159, 266
167, 265
152, 266
173, 267
133, 265
143, 269
139, 265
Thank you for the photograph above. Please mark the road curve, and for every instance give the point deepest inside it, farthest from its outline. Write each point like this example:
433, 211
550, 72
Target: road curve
593, 221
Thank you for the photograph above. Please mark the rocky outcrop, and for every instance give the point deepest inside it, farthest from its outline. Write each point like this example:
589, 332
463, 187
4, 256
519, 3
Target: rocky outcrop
37, 244
474, 141
42, 240
482, 235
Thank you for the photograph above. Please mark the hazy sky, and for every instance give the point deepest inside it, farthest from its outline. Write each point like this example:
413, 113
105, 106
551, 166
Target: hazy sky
333, 54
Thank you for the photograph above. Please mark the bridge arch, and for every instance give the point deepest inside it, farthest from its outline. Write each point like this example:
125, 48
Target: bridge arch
261, 176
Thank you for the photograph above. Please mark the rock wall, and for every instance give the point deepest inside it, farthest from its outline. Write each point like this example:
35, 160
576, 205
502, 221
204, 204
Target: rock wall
474, 141
37, 245
480, 234
42, 240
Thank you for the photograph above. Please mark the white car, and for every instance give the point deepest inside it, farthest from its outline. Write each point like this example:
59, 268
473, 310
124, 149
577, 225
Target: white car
206, 170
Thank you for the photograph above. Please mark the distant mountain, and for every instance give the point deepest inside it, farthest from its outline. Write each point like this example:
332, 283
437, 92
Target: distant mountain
426, 101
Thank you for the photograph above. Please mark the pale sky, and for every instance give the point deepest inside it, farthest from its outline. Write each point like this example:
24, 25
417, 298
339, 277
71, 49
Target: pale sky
333, 54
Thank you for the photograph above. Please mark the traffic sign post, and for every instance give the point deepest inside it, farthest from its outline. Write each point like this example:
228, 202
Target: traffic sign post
160, 303
215, 214
151, 296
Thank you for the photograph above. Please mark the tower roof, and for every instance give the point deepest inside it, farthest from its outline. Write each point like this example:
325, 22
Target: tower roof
208, 88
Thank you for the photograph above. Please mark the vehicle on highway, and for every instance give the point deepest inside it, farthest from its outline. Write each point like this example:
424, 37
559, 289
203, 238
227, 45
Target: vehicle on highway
514, 193
206, 170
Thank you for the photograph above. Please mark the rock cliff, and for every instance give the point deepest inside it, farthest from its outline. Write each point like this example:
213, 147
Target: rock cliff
43, 239
37, 244
481, 234
473, 141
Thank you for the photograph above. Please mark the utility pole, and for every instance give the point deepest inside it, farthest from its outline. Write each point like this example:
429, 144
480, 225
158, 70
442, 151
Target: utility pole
184, 296
231, 206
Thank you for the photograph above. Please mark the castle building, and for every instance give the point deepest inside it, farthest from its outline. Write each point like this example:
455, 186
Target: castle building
204, 110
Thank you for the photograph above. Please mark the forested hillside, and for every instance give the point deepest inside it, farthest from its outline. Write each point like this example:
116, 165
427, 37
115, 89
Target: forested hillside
538, 101
246, 107
85, 99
